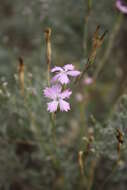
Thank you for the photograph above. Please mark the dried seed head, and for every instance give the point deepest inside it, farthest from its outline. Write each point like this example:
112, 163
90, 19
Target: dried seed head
48, 44
47, 33
80, 160
85, 139
48, 50
97, 42
21, 65
21, 74
119, 136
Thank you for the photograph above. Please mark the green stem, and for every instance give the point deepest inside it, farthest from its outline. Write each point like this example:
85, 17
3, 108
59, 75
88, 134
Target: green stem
55, 149
112, 171
53, 130
48, 75
86, 19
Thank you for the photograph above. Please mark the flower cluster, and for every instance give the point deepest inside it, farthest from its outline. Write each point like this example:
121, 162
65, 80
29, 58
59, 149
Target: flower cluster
56, 92
121, 6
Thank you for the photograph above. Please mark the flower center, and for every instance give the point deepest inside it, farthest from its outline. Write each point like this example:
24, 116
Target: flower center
57, 97
63, 72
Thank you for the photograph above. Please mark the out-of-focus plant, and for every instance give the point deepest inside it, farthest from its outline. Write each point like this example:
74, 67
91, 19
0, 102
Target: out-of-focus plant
59, 150
122, 6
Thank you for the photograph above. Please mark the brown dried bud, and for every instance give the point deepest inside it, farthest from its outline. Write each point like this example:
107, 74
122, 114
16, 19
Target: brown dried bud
80, 160
119, 136
97, 42
21, 74
48, 50
48, 44
47, 33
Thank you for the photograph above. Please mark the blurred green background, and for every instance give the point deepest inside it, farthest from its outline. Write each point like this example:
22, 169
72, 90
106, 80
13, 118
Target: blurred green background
29, 160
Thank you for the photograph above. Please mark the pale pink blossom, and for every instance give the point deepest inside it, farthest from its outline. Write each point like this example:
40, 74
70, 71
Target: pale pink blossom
79, 97
122, 6
57, 96
63, 73
88, 81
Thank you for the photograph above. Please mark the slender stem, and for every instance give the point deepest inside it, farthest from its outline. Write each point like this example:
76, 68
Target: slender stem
55, 149
92, 173
86, 20
112, 171
53, 123
48, 74
87, 66
85, 44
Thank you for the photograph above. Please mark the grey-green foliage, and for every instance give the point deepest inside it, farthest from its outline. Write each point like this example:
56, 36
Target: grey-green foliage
26, 120
22, 26
23, 23
105, 134
38, 164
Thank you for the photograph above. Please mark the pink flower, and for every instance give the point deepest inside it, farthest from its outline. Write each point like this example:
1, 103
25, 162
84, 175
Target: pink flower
79, 97
121, 6
62, 73
57, 96
88, 81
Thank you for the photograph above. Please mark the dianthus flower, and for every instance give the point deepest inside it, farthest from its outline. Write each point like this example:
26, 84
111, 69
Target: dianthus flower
88, 81
121, 6
57, 96
62, 73
79, 97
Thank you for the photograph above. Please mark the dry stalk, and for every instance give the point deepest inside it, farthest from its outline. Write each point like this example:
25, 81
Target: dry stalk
81, 162
83, 155
21, 74
48, 50
96, 44
120, 141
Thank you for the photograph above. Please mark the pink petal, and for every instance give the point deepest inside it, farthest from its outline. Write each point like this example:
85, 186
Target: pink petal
73, 73
56, 69
88, 81
48, 92
64, 106
57, 88
79, 97
55, 78
121, 7
69, 67
65, 94
52, 106
53, 91
63, 78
